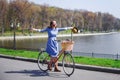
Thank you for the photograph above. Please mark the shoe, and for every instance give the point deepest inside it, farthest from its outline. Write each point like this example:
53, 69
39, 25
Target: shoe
49, 68
57, 70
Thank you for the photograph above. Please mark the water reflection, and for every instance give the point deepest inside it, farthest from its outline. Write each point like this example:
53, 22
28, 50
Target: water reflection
34, 43
30, 43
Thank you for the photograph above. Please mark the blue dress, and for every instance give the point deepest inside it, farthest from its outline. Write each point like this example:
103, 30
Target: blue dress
52, 44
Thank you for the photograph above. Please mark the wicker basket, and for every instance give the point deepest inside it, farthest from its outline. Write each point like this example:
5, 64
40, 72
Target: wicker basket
67, 45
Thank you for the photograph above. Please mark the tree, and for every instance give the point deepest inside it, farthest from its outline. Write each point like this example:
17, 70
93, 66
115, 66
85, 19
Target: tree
3, 13
19, 11
30, 14
107, 22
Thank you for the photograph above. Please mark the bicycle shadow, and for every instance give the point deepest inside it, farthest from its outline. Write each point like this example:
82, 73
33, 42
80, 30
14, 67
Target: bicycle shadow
38, 73
32, 73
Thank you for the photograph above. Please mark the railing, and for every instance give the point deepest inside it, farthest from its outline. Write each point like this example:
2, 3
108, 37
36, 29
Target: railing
98, 55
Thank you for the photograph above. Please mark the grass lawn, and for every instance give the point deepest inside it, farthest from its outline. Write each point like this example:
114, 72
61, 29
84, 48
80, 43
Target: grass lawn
21, 53
79, 60
98, 62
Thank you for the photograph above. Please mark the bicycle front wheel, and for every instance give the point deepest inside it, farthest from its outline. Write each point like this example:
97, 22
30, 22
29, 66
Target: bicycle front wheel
43, 60
68, 64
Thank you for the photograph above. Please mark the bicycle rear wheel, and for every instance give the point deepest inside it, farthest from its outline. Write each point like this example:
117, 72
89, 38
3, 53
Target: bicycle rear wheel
43, 60
68, 64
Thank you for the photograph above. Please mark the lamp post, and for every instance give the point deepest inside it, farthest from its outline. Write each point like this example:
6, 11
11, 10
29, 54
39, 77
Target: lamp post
14, 25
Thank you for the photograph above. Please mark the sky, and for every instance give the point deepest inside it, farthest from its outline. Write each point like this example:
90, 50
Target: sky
104, 6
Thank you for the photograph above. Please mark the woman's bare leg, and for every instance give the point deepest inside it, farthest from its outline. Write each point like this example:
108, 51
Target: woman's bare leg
56, 65
50, 64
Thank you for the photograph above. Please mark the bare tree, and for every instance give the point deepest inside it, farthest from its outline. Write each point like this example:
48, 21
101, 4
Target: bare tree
19, 10
3, 11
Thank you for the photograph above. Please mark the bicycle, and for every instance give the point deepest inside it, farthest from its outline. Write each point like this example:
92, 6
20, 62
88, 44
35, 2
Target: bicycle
68, 63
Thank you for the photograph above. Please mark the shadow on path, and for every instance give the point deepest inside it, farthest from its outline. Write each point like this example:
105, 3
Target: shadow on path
32, 73
38, 73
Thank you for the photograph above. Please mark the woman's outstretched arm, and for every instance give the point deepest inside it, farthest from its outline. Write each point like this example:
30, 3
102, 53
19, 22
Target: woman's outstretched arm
39, 30
66, 28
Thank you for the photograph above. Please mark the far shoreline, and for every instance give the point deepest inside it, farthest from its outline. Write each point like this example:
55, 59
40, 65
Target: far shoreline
59, 35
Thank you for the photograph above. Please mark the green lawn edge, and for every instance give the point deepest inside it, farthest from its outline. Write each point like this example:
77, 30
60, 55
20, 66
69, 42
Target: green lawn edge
78, 59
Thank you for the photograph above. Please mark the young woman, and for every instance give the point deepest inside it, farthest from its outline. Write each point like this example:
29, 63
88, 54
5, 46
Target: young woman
52, 44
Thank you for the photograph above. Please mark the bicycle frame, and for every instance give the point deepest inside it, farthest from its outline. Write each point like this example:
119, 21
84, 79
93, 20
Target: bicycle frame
59, 55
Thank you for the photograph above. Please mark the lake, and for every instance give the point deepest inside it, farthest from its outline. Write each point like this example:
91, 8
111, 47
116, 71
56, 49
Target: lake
107, 43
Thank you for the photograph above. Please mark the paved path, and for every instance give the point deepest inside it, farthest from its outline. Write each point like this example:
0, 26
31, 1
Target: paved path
20, 70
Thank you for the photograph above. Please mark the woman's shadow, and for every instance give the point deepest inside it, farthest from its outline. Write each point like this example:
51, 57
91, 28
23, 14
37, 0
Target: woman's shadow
32, 73
38, 73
